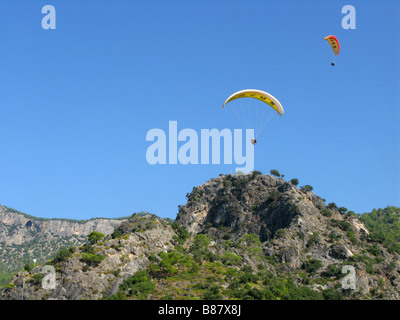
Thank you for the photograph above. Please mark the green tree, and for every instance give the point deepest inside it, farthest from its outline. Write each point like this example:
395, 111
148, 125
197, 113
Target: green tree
139, 285
95, 237
92, 259
294, 182
307, 187
275, 173
230, 259
117, 234
28, 267
374, 249
181, 233
63, 254
37, 278
200, 242
213, 293
332, 271
332, 294
312, 265
199, 249
332, 205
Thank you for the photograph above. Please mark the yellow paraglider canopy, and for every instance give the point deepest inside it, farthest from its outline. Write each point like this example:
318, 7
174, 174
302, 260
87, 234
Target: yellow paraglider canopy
257, 94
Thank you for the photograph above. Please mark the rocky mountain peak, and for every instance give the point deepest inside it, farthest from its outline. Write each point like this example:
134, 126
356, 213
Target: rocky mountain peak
252, 204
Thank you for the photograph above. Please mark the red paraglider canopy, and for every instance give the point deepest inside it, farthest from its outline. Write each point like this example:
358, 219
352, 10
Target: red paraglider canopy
334, 42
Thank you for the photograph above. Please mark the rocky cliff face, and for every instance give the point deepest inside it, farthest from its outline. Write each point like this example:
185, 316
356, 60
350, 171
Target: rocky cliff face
24, 238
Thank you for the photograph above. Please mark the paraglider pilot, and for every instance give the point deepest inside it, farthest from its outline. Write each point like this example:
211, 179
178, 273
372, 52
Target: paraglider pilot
253, 141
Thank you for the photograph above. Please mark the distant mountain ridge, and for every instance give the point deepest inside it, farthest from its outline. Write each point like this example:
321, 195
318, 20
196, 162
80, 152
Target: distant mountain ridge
24, 237
17, 227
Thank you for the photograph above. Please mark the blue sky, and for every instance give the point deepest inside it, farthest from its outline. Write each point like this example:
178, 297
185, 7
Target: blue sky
76, 102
